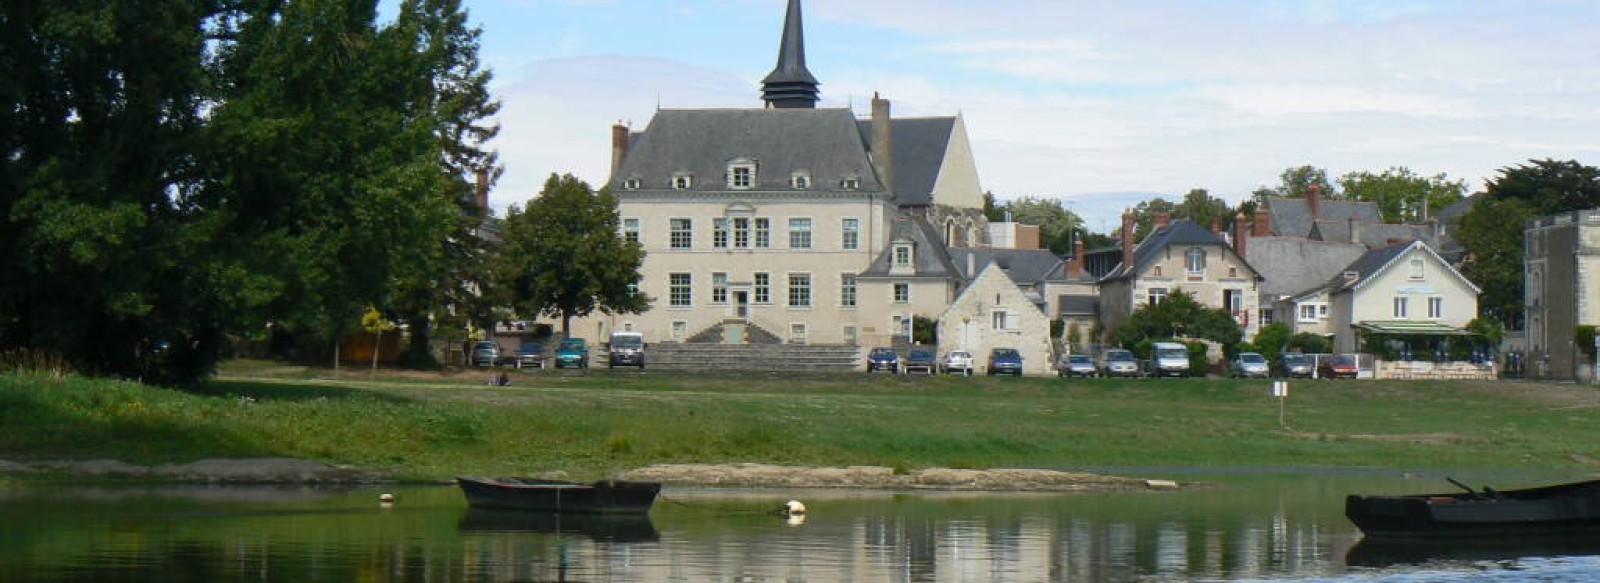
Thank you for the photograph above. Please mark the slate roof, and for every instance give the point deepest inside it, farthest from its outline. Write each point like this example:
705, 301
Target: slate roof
1374, 262
1178, 232
1079, 305
1372, 235
1288, 264
824, 142
1291, 217
930, 258
920, 145
1023, 266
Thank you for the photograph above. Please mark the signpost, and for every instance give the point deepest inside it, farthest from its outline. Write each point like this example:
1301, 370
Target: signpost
1280, 389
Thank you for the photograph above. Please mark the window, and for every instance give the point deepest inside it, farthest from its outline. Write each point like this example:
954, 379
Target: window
902, 255
797, 333
1157, 295
902, 293
799, 233
851, 183
682, 181
762, 288
849, 334
630, 230
719, 288
680, 290
800, 181
1435, 308
1002, 320
763, 232
680, 330
1308, 312
847, 290
799, 290
682, 233
1322, 310
1416, 268
1233, 272
1156, 272
1195, 263
741, 233
851, 238
719, 233
741, 176
632, 183
1400, 307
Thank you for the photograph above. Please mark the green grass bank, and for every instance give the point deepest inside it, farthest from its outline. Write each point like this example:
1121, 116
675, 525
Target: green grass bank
596, 423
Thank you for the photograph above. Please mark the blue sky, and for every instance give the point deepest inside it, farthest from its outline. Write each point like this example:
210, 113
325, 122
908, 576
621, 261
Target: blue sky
1079, 100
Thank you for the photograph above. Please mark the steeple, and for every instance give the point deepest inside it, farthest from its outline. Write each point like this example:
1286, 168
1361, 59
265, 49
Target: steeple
790, 85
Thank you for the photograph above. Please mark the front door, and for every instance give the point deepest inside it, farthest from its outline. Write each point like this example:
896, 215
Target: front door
741, 304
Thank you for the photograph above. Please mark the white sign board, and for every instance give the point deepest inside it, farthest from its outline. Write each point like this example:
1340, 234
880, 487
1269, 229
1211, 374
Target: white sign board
1280, 388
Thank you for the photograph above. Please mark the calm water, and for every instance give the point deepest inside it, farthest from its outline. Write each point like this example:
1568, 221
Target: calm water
1250, 527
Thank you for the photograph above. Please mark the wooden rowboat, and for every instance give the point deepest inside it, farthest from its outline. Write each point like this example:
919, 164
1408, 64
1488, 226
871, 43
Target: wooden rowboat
1552, 510
603, 497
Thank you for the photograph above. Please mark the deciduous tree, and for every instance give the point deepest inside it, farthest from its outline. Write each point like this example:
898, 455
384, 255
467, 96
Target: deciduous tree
1402, 196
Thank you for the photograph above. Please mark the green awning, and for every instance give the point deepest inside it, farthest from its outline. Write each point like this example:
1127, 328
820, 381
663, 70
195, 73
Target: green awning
1410, 328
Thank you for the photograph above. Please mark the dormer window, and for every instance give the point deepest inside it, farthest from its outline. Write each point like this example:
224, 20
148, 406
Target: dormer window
742, 174
682, 181
902, 255
632, 184
850, 183
800, 181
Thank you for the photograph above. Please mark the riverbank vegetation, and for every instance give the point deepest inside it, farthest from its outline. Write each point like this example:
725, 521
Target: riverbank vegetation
597, 423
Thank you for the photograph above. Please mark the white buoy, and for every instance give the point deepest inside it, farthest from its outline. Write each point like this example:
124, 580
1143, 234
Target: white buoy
793, 508
386, 498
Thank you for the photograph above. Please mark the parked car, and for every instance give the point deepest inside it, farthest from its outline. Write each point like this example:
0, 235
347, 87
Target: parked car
1337, 366
957, 361
485, 353
625, 349
1294, 365
1005, 360
573, 352
1075, 365
530, 354
1169, 359
1118, 362
883, 359
1250, 364
920, 359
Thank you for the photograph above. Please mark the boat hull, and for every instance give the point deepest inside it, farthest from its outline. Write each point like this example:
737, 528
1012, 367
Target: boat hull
1556, 510
603, 497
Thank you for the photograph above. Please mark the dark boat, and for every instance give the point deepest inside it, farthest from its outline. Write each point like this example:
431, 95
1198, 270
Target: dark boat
603, 497
619, 528
1553, 510
1391, 552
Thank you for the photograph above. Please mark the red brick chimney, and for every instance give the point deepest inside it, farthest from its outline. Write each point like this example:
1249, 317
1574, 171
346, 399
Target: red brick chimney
1127, 240
1314, 200
619, 147
1163, 219
1239, 234
1263, 225
1216, 227
481, 191
1075, 268
883, 141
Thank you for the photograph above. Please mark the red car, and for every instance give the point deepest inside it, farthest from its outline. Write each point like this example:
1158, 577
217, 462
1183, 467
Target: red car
1337, 367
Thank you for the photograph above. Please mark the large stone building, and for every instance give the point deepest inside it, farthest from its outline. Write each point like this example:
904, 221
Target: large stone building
792, 223
1562, 288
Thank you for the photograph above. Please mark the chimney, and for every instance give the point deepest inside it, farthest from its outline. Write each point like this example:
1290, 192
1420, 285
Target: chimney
482, 191
1162, 220
619, 148
882, 142
1314, 200
1216, 227
1355, 230
1127, 240
1239, 232
1075, 268
1263, 223
972, 265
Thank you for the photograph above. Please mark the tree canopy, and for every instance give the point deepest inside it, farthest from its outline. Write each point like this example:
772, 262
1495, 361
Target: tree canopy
1295, 182
1403, 196
1179, 315
565, 255
1492, 232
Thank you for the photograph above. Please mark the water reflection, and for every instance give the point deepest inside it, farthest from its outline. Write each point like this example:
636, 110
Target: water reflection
1270, 528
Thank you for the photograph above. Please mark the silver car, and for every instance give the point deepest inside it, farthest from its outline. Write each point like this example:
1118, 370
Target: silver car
1118, 362
1075, 365
1250, 364
957, 361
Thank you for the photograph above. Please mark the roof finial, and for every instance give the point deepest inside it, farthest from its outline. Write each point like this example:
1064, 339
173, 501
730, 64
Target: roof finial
790, 84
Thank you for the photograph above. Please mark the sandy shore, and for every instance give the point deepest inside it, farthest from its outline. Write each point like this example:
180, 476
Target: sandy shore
298, 471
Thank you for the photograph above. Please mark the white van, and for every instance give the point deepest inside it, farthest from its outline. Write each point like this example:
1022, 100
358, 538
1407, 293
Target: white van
626, 349
1169, 359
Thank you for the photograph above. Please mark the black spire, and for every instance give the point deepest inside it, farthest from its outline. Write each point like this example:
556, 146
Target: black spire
790, 85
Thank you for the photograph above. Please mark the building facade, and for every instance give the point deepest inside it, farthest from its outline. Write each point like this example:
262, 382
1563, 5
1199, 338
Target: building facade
1562, 287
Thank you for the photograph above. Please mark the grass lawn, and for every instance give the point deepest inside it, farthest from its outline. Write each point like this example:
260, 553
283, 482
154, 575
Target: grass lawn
595, 423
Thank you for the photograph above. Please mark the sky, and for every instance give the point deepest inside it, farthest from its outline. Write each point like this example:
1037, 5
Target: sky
1100, 104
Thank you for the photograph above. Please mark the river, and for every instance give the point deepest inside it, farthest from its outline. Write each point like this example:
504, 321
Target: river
1246, 525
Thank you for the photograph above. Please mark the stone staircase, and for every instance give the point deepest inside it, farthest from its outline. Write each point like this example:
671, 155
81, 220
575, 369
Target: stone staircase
759, 357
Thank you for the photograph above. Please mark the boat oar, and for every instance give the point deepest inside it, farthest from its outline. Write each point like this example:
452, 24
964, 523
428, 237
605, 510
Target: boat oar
1469, 489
